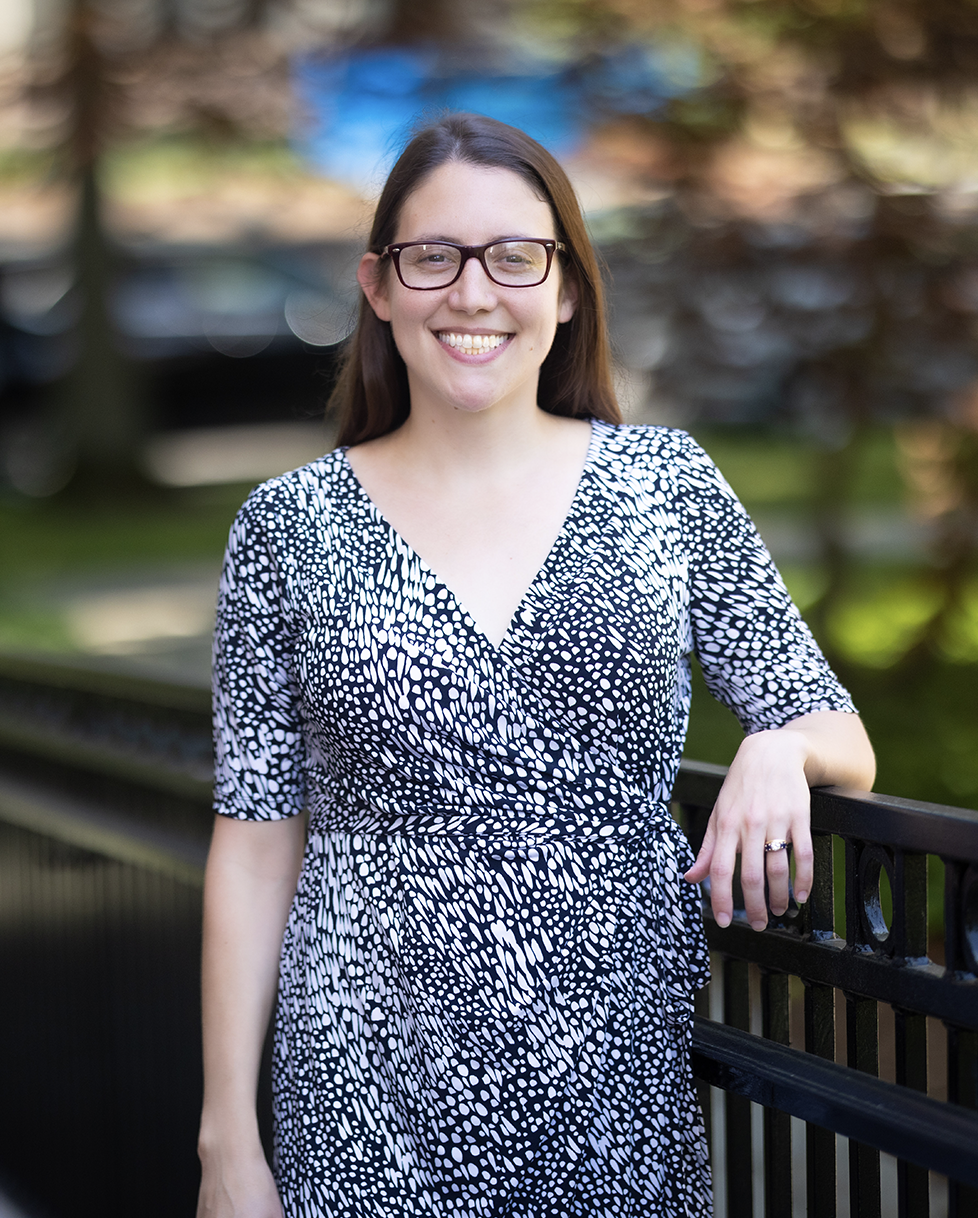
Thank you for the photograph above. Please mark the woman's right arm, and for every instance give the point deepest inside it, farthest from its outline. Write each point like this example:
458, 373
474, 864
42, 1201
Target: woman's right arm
250, 881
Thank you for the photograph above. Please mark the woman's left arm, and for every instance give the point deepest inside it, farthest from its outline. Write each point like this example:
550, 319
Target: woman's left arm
765, 797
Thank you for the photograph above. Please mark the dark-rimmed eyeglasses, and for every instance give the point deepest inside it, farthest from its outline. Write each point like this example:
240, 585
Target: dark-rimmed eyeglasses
516, 262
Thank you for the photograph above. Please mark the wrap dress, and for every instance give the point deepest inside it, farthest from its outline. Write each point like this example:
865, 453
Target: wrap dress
486, 980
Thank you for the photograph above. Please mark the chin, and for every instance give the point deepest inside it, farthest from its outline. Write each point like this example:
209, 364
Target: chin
466, 407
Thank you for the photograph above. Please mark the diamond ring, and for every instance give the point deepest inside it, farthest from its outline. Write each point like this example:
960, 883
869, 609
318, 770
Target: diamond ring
775, 845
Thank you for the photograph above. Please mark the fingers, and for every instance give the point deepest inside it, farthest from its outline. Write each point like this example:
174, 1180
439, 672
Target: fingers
764, 797
778, 881
721, 876
764, 880
801, 834
701, 868
765, 876
752, 877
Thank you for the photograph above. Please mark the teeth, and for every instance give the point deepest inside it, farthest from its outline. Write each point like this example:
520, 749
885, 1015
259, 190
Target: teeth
471, 343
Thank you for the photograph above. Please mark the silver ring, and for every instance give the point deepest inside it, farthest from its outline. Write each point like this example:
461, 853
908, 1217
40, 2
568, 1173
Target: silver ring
776, 844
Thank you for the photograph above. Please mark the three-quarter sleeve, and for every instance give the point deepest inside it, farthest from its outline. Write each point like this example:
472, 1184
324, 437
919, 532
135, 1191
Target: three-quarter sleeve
258, 739
757, 654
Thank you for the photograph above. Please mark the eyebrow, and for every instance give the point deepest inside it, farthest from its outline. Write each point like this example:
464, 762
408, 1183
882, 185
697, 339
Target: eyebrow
441, 240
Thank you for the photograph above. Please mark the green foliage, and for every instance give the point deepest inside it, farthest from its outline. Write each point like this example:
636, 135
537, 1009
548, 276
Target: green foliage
23, 166
714, 733
923, 720
704, 116
189, 161
780, 470
51, 538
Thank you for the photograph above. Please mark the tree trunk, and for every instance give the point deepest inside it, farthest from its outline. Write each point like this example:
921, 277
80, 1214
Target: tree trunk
99, 412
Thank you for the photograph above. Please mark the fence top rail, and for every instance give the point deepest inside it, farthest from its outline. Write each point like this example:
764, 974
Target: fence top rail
903, 1122
904, 824
89, 675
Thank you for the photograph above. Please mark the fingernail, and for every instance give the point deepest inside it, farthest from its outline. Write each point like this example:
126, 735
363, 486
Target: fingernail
801, 896
723, 919
759, 925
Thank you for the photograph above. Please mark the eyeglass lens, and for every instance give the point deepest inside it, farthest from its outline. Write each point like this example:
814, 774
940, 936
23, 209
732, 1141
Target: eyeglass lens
515, 263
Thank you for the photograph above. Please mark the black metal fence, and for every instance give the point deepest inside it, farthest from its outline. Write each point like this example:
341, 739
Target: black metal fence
855, 960
104, 822
104, 825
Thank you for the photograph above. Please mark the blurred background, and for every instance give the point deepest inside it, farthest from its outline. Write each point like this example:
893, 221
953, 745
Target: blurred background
784, 192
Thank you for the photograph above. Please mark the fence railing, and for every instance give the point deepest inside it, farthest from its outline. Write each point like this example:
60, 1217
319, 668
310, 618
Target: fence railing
855, 958
104, 823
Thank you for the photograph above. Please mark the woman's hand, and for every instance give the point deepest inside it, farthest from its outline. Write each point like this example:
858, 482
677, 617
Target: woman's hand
765, 798
238, 1186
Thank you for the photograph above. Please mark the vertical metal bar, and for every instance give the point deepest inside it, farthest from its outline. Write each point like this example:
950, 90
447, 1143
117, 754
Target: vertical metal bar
962, 1058
962, 1088
777, 1125
818, 918
953, 876
736, 1013
913, 1192
862, 1045
910, 906
910, 934
820, 1031
820, 1143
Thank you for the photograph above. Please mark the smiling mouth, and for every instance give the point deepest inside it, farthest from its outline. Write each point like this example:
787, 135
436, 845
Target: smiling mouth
472, 344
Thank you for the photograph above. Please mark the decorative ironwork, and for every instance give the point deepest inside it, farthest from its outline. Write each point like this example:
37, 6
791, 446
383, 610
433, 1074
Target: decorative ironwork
877, 954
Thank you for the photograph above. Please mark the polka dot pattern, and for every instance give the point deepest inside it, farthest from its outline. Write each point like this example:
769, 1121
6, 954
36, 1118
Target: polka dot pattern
487, 976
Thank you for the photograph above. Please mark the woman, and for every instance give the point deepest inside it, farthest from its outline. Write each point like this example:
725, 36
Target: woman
461, 641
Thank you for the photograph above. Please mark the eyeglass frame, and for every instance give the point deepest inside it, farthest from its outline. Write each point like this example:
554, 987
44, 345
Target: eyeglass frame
393, 252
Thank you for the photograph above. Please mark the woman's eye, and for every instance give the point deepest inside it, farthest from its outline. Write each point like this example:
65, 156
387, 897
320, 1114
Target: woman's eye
514, 260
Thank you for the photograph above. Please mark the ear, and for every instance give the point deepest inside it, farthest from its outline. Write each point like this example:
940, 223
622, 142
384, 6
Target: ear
374, 285
567, 305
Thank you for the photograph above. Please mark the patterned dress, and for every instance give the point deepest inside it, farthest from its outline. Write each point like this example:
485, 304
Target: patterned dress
487, 975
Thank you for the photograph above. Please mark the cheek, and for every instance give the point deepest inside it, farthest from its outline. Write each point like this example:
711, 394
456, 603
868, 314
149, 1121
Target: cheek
405, 321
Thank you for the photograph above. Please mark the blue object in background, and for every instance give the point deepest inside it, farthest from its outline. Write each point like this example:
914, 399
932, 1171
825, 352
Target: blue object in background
546, 105
359, 108
639, 77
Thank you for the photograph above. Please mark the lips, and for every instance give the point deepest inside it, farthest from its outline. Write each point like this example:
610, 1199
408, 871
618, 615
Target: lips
471, 344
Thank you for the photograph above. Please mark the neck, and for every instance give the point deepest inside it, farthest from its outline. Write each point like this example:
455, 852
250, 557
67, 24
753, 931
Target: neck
457, 445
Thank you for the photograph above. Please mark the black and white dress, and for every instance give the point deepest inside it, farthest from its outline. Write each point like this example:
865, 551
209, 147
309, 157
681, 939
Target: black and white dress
487, 975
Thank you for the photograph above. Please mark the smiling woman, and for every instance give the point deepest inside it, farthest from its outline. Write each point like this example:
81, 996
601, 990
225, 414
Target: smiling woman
462, 643
371, 396
473, 351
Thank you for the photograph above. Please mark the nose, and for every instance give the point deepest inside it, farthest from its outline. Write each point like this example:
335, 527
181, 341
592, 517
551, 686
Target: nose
473, 291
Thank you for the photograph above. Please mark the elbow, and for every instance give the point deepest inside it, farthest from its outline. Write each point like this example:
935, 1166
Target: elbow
862, 761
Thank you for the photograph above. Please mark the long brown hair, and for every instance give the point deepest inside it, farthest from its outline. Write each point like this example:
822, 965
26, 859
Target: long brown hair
371, 395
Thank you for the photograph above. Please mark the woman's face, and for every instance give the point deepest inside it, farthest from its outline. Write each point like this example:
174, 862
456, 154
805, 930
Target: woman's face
471, 205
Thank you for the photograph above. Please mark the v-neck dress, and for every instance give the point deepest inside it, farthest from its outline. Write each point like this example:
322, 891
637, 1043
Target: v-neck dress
487, 975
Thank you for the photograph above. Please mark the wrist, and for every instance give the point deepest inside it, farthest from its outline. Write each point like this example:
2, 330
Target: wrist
783, 741
235, 1136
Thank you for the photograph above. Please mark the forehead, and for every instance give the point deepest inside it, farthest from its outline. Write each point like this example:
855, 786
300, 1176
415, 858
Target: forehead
472, 204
